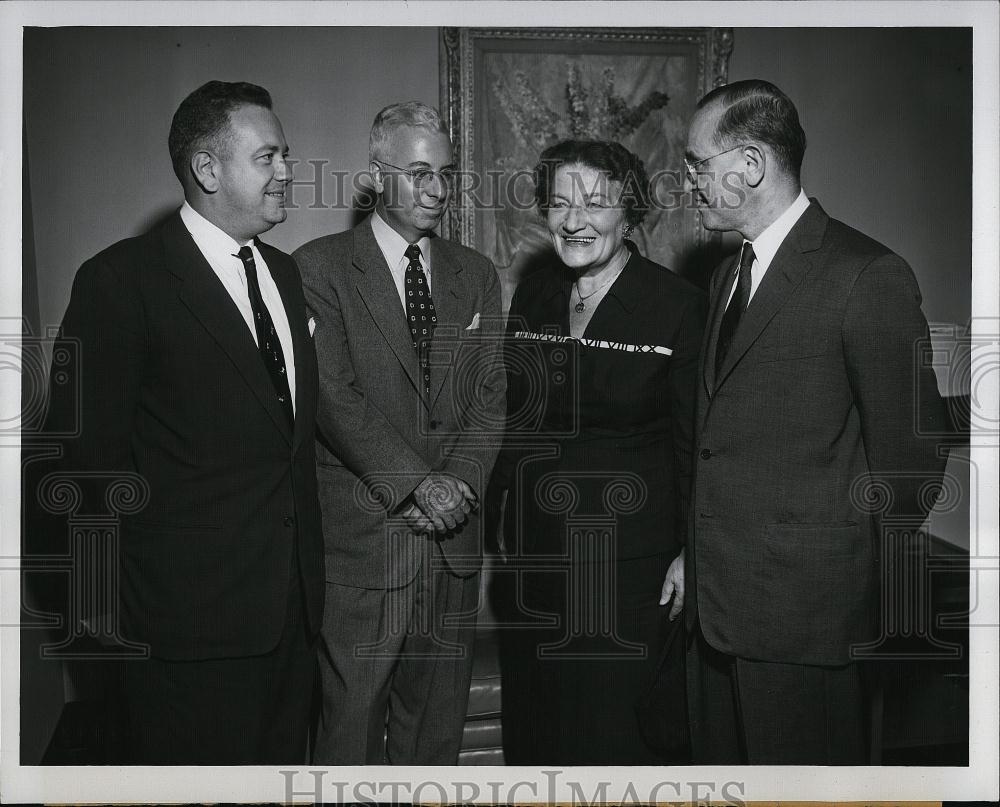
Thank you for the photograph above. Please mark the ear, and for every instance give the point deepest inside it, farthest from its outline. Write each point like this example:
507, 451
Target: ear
205, 169
756, 165
378, 180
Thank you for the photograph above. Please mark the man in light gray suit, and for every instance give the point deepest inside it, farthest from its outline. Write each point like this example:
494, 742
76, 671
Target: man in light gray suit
407, 330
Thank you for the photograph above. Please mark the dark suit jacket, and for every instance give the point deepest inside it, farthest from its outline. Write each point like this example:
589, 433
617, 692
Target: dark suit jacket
820, 394
172, 387
378, 434
593, 417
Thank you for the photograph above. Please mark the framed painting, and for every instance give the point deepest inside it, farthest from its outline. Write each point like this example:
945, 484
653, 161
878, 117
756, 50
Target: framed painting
508, 93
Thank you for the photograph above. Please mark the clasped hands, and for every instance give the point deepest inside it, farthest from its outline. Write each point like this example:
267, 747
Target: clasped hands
440, 503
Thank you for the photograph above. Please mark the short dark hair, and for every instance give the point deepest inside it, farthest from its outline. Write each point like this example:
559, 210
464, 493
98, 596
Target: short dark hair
758, 110
202, 119
606, 156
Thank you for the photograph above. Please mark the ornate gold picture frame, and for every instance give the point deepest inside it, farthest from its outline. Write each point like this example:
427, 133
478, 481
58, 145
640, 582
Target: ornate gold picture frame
509, 93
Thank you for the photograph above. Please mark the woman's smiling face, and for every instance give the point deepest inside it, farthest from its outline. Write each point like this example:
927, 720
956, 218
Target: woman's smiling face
585, 218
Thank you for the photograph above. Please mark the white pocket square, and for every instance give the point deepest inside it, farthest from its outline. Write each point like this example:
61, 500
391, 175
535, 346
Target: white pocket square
474, 325
311, 324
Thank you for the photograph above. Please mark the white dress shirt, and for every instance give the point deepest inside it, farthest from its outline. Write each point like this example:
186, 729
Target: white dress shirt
393, 247
220, 251
766, 245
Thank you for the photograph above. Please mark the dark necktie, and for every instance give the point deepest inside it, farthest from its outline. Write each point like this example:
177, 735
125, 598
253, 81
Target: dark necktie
267, 337
420, 313
737, 305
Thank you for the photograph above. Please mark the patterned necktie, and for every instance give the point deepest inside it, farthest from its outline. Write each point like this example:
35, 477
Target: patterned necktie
267, 337
737, 305
420, 313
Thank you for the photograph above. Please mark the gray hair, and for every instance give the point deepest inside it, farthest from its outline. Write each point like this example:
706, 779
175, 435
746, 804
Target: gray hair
394, 116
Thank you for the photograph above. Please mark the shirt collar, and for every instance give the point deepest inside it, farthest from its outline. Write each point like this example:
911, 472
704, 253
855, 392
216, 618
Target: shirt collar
393, 245
766, 245
212, 241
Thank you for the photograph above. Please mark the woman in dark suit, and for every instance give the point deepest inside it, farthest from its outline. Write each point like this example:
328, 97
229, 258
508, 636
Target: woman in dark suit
602, 358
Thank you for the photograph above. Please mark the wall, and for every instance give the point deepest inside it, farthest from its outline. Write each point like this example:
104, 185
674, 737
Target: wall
98, 105
887, 115
886, 111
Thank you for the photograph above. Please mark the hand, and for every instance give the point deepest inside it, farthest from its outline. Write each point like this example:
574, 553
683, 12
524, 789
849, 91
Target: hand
468, 493
415, 519
673, 584
445, 500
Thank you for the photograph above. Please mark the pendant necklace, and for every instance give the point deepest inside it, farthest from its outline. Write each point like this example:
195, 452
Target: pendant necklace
580, 307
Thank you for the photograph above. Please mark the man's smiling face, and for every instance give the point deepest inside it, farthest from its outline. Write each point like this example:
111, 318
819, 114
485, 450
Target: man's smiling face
252, 173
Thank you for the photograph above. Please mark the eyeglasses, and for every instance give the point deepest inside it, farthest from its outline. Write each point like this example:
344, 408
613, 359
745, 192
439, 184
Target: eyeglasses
692, 168
423, 176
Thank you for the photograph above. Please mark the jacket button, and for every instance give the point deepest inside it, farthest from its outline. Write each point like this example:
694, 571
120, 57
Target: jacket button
289, 521
433, 424
705, 454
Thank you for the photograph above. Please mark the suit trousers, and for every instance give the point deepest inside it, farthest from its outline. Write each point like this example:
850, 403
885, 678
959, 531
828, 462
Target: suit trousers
395, 667
231, 711
769, 713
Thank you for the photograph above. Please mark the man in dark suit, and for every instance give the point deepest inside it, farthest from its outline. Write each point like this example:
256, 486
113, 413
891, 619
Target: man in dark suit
196, 373
812, 403
411, 402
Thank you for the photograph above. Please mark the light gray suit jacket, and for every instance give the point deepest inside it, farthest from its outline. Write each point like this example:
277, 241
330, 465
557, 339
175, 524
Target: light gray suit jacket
378, 434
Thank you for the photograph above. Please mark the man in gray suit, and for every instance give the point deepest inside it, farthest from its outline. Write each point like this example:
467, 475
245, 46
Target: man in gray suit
812, 401
407, 332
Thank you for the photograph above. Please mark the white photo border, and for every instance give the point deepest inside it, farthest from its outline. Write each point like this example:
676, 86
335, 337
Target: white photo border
24, 784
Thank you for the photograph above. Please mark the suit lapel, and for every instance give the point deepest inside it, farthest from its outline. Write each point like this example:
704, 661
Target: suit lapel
286, 279
450, 306
788, 268
207, 299
376, 287
722, 291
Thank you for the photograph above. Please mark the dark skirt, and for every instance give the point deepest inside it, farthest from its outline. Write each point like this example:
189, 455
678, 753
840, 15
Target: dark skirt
581, 642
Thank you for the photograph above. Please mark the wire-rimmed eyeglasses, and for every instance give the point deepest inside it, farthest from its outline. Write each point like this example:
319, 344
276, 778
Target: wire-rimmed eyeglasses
423, 176
692, 167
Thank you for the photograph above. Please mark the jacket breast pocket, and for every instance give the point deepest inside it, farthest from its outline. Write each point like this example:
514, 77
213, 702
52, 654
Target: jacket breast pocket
796, 344
801, 330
